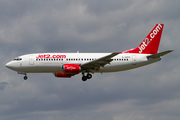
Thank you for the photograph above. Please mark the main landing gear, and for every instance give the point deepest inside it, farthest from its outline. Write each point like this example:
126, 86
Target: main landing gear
88, 76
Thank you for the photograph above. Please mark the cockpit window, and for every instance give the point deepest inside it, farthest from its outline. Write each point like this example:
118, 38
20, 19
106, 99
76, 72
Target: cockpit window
17, 59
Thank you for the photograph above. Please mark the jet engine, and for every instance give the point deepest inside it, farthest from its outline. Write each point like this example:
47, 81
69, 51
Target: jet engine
71, 68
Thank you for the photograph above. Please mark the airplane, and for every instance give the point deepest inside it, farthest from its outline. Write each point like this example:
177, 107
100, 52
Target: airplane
66, 65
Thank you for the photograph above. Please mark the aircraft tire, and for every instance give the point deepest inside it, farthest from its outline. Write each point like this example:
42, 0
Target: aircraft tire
89, 76
25, 77
84, 78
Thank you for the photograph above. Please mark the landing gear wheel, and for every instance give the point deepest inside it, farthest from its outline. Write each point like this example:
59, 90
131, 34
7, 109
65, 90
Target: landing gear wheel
25, 77
89, 76
84, 78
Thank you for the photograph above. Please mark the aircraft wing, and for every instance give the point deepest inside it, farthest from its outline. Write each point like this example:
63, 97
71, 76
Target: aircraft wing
101, 62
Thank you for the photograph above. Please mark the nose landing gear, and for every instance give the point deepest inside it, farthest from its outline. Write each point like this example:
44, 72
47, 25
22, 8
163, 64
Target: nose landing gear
25, 77
23, 73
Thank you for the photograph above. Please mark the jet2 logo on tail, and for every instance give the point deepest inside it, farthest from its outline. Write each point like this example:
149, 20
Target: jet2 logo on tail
146, 41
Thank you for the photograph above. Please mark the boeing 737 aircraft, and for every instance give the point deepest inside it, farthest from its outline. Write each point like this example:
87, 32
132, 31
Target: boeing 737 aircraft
66, 65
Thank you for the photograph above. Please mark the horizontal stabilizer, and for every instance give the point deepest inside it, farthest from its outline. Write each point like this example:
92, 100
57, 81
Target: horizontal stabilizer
160, 54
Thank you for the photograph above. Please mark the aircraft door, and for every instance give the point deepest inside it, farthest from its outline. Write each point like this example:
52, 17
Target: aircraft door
134, 60
31, 60
20, 64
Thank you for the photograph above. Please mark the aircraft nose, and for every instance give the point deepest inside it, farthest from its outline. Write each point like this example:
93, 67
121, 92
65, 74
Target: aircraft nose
9, 65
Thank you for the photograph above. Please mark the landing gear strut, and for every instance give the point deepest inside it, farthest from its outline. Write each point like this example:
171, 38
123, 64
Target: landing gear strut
88, 76
23, 73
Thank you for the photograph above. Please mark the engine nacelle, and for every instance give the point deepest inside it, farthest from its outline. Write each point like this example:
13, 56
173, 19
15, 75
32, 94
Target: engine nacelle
71, 68
64, 75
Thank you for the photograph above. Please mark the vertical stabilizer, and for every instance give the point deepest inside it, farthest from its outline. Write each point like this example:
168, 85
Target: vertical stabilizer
150, 44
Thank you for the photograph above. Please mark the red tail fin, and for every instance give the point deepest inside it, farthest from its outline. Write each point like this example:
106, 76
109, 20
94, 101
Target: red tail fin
150, 44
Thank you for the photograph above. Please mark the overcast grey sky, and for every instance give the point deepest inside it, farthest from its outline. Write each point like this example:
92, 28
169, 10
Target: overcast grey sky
147, 93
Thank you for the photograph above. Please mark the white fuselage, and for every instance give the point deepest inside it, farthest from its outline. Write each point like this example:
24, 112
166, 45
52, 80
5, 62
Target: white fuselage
52, 62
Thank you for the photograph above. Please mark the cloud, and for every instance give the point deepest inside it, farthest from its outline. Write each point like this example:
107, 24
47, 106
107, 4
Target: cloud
3, 85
